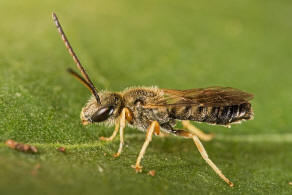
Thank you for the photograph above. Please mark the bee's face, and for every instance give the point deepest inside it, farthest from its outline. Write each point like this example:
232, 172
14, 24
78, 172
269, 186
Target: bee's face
109, 108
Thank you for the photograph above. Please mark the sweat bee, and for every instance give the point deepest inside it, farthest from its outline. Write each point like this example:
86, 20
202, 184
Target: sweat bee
156, 111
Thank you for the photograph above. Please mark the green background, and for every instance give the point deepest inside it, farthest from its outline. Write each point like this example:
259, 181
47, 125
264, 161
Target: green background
168, 43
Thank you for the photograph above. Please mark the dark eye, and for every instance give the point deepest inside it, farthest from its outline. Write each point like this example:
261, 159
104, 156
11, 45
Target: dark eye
102, 114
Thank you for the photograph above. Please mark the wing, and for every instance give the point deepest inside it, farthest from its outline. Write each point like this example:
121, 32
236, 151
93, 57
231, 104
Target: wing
211, 96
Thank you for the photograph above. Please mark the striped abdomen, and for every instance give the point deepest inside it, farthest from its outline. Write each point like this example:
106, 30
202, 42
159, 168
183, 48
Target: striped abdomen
214, 115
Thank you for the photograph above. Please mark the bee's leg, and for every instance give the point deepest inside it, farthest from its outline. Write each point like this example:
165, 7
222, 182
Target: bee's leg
162, 134
153, 127
114, 133
203, 153
203, 136
122, 127
208, 160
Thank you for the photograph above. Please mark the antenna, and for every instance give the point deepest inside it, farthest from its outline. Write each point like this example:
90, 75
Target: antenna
86, 80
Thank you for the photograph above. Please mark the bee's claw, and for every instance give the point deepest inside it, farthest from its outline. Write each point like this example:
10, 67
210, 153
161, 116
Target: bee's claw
138, 168
104, 139
209, 137
116, 154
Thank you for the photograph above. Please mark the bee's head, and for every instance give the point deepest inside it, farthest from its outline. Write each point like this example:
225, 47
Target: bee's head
103, 105
109, 108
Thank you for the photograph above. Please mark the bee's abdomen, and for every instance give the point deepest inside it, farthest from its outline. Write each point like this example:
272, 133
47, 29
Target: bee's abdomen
214, 115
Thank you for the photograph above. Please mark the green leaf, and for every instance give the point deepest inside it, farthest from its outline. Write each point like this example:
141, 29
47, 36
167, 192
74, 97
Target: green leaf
170, 44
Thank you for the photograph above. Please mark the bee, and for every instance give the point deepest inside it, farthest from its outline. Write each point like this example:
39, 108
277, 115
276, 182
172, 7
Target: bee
156, 111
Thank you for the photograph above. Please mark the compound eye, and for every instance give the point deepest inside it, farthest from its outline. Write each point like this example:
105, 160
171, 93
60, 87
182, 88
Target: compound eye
102, 114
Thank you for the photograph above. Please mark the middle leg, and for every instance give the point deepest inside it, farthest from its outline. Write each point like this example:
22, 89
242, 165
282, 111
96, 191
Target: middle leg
153, 127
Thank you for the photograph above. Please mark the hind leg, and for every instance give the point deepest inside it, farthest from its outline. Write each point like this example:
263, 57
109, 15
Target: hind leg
203, 153
194, 130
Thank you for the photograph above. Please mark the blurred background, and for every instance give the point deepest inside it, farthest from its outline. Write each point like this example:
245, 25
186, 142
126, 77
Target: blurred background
167, 43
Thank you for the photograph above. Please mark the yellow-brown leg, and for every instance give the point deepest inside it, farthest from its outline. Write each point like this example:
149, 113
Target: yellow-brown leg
154, 126
162, 134
122, 127
204, 154
208, 160
194, 130
114, 133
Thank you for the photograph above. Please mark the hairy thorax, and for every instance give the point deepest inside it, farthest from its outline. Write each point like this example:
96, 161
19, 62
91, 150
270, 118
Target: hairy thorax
137, 99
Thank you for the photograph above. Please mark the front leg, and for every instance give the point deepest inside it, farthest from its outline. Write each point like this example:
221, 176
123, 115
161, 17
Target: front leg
122, 127
114, 133
153, 127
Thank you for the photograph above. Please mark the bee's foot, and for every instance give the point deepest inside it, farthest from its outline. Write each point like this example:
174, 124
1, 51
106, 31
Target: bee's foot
116, 154
208, 137
138, 168
104, 139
